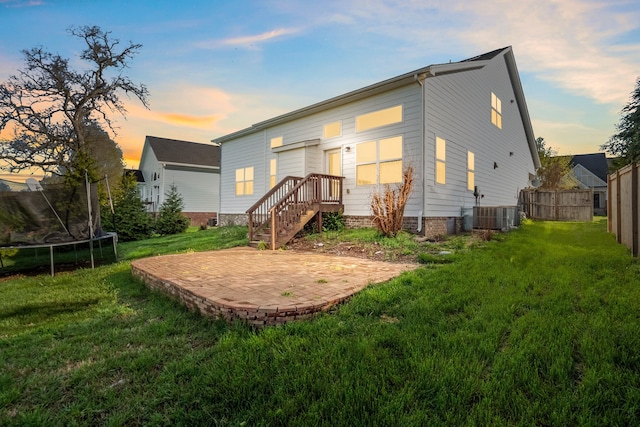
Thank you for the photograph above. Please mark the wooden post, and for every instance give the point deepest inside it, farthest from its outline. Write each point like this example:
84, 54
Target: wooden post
618, 208
609, 203
634, 207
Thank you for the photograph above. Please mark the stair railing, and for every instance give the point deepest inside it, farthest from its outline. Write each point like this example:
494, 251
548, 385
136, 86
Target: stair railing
259, 213
309, 194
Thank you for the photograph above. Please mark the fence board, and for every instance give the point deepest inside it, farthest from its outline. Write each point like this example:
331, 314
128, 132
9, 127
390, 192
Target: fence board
624, 215
558, 205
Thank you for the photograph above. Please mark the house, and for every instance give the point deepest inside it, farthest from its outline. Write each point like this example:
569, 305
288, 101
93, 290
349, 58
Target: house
192, 167
591, 171
139, 177
463, 126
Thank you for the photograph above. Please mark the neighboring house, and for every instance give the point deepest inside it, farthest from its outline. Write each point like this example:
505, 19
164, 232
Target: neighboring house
139, 177
192, 167
463, 126
591, 171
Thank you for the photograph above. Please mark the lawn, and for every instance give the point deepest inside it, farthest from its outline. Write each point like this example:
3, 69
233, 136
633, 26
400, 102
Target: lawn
536, 327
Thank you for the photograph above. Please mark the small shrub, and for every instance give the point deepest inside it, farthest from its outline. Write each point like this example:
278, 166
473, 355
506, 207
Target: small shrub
130, 219
332, 221
262, 245
170, 219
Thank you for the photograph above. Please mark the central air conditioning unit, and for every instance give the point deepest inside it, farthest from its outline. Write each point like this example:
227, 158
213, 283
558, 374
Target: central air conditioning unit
495, 217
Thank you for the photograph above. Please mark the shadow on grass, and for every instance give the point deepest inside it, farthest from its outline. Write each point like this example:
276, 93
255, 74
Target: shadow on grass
43, 310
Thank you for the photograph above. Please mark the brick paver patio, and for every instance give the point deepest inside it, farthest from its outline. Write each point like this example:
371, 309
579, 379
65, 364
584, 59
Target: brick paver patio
262, 287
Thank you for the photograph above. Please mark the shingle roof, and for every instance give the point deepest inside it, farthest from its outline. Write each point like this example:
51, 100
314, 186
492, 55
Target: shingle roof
135, 172
596, 163
486, 56
184, 152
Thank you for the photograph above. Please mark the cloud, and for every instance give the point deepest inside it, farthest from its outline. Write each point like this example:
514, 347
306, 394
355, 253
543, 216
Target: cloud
189, 120
577, 45
585, 47
247, 41
21, 3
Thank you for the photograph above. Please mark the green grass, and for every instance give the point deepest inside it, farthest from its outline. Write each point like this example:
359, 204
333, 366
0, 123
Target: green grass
536, 327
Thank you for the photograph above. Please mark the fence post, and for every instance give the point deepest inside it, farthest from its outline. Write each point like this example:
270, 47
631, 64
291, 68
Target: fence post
634, 207
618, 208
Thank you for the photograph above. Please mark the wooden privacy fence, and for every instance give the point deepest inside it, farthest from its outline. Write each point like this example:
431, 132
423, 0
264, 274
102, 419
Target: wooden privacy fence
558, 205
622, 206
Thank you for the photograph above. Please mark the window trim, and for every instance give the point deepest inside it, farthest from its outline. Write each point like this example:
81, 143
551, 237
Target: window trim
440, 161
275, 142
244, 181
273, 172
371, 115
377, 161
326, 125
496, 111
471, 170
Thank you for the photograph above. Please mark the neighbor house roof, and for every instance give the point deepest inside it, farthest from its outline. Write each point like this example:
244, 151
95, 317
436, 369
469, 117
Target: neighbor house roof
473, 63
178, 152
135, 172
596, 163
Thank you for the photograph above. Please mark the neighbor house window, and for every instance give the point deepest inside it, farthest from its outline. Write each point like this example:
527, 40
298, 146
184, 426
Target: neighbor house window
379, 118
441, 159
276, 142
379, 162
272, 173
244, 181
471, 170
332, 130
496, 110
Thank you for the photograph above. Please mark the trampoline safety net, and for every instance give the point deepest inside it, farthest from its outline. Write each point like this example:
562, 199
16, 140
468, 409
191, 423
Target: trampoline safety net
51, 214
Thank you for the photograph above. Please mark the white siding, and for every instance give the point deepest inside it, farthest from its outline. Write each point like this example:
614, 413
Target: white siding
254, 150
249, 151
459, 111
199, 189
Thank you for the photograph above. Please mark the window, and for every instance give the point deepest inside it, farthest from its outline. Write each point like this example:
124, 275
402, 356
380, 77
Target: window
332, 130
244, 181
379, 162
379, 118
496, 111
272, 173
471, 170
441, 158
276, 142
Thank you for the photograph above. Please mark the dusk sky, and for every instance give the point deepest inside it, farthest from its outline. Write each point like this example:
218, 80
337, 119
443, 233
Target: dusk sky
214, 67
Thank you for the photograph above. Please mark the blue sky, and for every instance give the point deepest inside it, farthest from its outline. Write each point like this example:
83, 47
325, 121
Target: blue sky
213, 67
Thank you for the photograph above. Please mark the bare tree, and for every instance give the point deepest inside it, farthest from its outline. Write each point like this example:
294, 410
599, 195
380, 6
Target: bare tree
51, 108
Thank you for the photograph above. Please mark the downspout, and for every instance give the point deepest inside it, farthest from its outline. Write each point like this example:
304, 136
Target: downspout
164, 172
422, 150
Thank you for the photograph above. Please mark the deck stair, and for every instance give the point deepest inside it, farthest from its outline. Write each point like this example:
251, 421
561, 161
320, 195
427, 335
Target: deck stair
290, 205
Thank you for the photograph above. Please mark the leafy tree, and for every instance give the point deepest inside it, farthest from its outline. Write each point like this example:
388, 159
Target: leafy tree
554, 171
626, 143
170, 218
131, 220
52, 109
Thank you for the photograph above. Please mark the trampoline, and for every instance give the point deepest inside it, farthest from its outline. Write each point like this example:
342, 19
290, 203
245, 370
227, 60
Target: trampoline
51, 215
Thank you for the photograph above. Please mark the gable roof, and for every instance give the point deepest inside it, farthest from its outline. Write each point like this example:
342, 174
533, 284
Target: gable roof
595, 163
175, 151
430, 71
